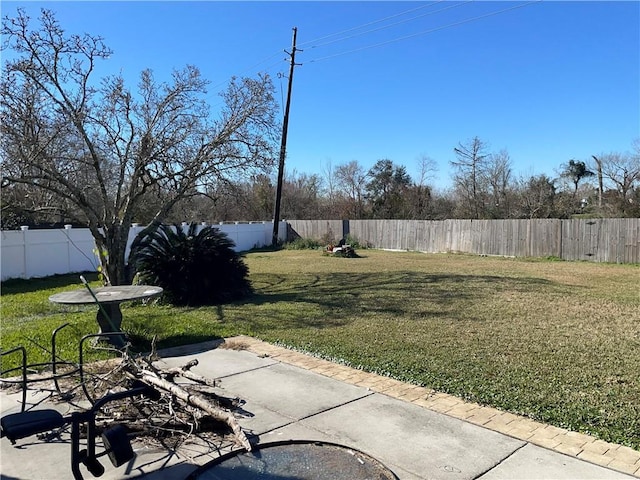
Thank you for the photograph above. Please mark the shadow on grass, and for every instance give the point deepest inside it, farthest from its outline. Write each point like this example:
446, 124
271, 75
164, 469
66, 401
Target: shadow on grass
334, 289
176, 345
193, 342
19, 285
178, 340
333, 299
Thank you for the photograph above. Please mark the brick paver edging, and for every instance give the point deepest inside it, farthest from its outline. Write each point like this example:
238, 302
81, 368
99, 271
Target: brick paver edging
579, 445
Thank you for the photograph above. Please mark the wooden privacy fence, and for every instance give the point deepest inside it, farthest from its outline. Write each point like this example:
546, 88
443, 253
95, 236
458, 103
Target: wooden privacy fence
615, 240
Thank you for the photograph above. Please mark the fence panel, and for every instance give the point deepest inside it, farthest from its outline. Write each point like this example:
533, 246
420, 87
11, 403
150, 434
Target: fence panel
364, 231
329, 230
80, 249
628, 245
39, 253
13, 254
599, 240
544, 238
248, 235
577, 240
615, 240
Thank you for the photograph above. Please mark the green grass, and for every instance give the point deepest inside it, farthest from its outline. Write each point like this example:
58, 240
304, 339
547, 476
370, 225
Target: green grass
556, 341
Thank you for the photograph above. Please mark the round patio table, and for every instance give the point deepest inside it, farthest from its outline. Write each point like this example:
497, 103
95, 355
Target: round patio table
109, 315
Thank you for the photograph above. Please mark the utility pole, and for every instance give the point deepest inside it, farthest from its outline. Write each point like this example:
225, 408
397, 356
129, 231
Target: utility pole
283, 144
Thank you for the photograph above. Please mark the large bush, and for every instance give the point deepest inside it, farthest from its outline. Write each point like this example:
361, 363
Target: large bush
193, 268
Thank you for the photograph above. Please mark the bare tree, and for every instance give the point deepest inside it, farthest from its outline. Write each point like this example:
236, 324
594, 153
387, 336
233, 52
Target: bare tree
496, 174
427, 167
301, 198
350, 181
620, 172
420, 193
600, 179
329, 180
104, 149
27, 205
470, 163
537, 196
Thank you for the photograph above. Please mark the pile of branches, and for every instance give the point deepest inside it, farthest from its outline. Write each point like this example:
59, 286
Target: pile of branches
185, 404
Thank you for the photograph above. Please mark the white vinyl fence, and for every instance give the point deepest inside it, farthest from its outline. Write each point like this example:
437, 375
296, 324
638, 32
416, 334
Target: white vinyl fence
38, 253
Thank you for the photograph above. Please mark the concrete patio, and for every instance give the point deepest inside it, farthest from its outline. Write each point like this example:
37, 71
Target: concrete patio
415, 432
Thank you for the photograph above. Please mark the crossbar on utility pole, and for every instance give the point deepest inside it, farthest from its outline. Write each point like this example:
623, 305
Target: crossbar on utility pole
283, 143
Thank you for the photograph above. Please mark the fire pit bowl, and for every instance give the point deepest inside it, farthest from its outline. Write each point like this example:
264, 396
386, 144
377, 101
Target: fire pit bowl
294, 459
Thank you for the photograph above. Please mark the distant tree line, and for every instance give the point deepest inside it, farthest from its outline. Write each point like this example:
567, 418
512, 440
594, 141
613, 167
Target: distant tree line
483, 187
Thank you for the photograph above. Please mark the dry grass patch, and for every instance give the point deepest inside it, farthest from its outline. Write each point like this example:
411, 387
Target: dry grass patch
234, 344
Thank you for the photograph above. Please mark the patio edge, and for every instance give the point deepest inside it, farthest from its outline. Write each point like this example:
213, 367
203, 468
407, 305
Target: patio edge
579, 445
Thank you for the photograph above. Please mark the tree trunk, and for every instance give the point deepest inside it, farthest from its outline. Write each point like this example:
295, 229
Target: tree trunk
116, 238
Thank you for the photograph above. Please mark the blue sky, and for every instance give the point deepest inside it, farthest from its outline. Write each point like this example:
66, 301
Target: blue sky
549, 81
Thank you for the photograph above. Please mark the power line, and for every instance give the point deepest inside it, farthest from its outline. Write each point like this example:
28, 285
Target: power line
252, 68
342, 32
392, 24
424, 32
369, 23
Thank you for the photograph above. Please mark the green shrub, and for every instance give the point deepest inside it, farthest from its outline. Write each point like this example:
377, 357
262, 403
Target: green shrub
355, 243
303, 244
193, 269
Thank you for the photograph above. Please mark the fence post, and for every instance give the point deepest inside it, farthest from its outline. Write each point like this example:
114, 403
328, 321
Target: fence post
561, 238
345, 228
66, 228
25, 257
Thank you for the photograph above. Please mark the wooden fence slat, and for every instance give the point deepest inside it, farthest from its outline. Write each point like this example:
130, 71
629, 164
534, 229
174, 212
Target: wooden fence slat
615, 240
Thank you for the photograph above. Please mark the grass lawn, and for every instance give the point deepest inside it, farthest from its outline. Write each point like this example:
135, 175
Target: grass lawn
556, 341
